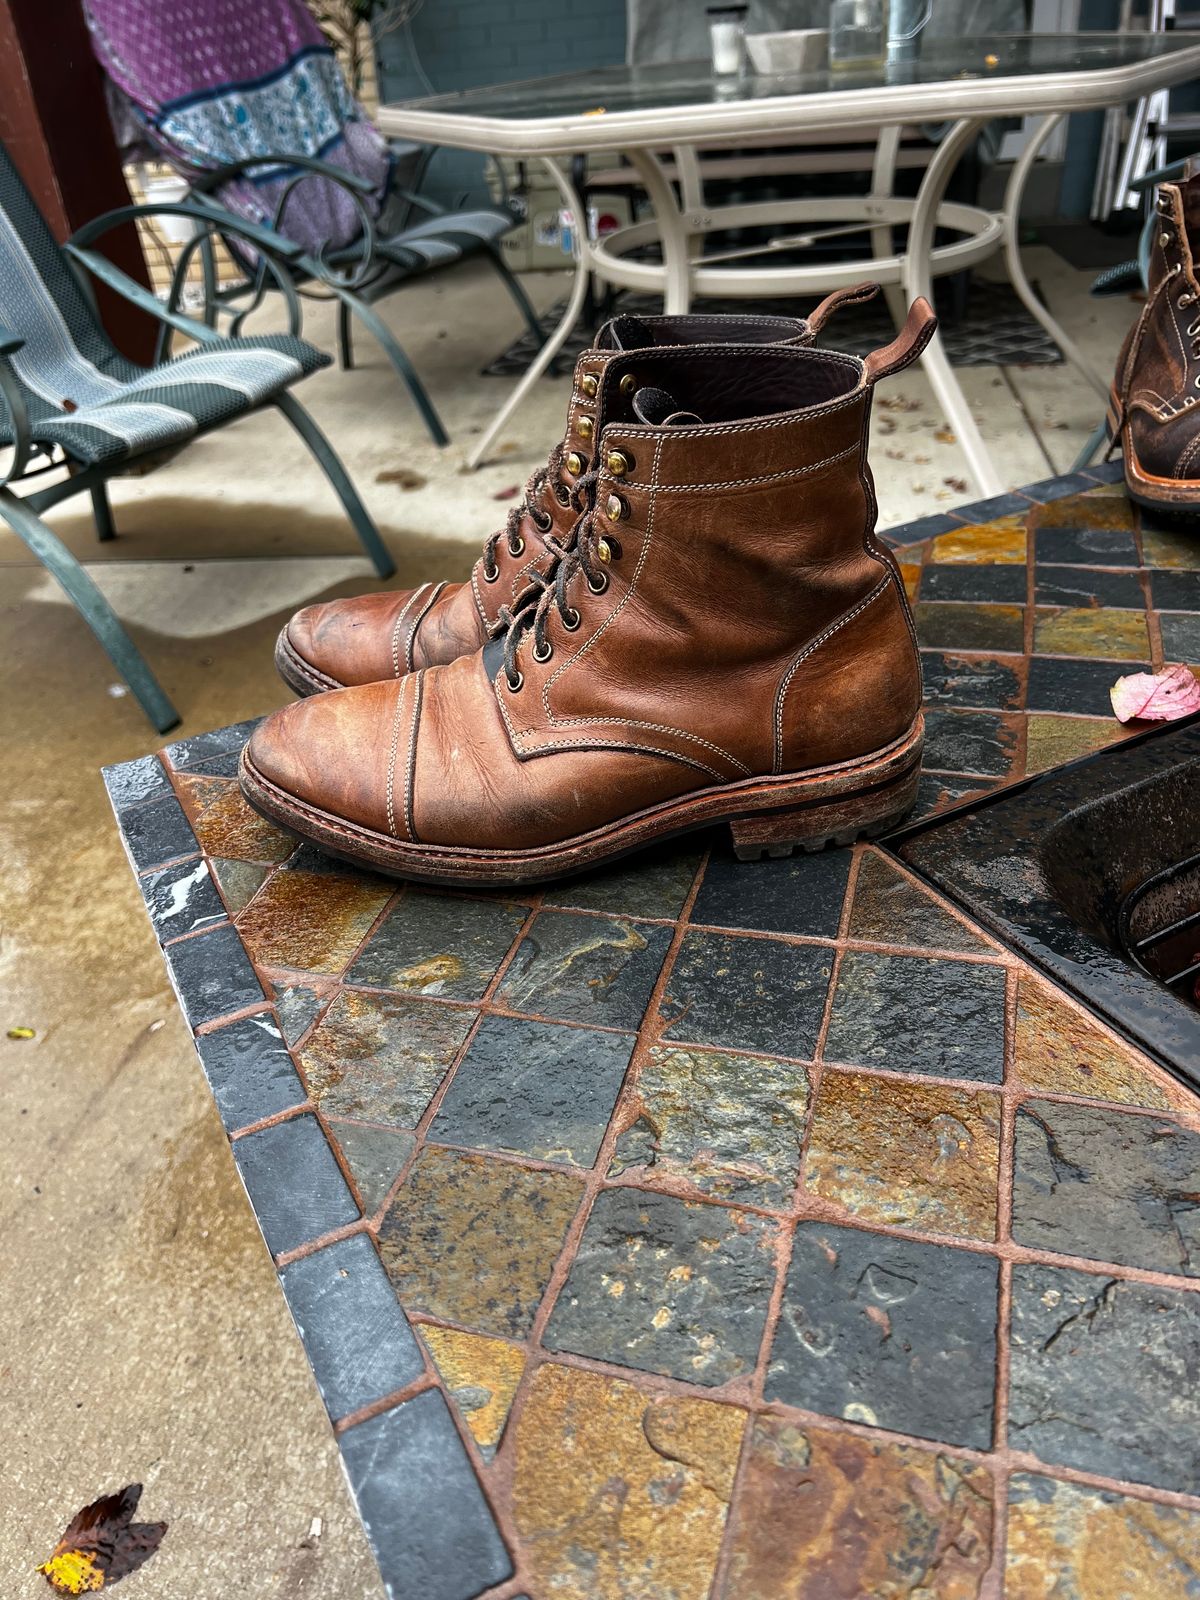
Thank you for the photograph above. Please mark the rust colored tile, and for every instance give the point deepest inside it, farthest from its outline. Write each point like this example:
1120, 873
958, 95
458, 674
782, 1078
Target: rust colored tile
1067, 1542
828, 1516
923, 1155
1001, 543
481, 1375
1170, 547
380, 1058
1054, 740
473, 1240
311, 921
1094, 508
910, 572
618, 1494
1101, 635
1061, 1052
226, 826
970, 625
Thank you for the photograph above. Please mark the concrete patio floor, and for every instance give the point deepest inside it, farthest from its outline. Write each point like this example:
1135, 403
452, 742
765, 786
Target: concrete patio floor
145, 1335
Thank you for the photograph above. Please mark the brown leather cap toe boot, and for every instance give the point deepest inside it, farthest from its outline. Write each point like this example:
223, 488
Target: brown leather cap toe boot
1154, 405
375, 636
722, 640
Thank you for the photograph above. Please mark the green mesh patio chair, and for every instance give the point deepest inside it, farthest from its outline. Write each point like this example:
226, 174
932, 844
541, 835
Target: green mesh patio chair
72, 401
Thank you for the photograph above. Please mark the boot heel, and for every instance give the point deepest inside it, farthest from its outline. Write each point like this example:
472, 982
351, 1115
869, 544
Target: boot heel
840, 821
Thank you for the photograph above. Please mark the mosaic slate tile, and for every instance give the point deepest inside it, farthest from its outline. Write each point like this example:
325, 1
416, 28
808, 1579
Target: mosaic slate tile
921, 1155
1180, 638
1052, 740
226, 826
999, 505
238, 881
535, 1089
1006, 585
156, 833
667, 1285
1168, 545
381, 1058
202, 746
1082, 587
1061, 1051
924, 527
729, 1126
481, 1375
654, 883
835, 1514
181, 899
374, 1156
944, 1018
439, 945
983, 742
1086, 546
748, 994
429, 1524
356, 1336
891, 909
586, 969
296, 1006
1176, 590
249, 1071
212, 976
310, 922
1070, 496
1105, 1375
1093, 1182
1110, 635
969, 625
998, 542
939, 791
472, 1240
221, 766
132, 783
618, 1493
295, 1185
801, 894
1079, 687
1070, 1542
888, 1331
970, 681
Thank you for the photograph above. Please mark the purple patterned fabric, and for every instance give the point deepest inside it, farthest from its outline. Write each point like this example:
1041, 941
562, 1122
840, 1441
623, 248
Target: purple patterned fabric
199, 83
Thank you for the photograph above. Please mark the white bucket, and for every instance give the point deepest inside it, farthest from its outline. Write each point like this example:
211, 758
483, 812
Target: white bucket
169, 190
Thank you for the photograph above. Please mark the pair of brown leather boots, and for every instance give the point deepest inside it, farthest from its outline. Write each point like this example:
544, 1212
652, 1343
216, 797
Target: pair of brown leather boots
687, 620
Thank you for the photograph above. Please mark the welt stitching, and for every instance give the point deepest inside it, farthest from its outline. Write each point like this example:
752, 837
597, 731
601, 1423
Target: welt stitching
411, 764
391, 771
417, 621
399, 623
822, 638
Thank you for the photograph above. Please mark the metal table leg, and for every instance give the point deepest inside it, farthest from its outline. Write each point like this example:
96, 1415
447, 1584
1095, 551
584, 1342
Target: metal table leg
672, 230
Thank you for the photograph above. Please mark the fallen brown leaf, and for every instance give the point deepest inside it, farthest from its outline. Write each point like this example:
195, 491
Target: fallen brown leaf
402, 477
959, 485
102, 1544
510, 493
946, 436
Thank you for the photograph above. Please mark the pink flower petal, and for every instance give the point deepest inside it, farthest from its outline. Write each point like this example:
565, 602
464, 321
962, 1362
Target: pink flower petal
1156, 696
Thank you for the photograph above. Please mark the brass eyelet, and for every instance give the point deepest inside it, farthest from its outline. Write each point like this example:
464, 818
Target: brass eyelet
490, 577
599, 583
1164, 238
516, 546
615, 509
628, 383
618, 463
571, 620
541, 656
604, 551
585, 427
514, 684
575, 463
589, 384
543, 521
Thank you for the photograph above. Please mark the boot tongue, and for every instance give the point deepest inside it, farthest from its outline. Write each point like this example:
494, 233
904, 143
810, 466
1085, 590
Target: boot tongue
629, 333
659, 409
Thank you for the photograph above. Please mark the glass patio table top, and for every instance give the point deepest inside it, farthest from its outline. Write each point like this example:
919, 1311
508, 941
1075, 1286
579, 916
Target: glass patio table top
952, 77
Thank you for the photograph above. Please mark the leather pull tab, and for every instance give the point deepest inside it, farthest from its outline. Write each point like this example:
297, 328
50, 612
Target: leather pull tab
854, 296
919, 327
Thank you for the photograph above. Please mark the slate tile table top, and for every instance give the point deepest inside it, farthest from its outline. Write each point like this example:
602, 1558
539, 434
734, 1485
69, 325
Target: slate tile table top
699, 1229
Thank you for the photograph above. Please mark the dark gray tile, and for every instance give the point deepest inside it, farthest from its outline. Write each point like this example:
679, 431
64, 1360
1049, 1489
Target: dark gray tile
802, 894
1047, 490
970, 625
295, 1185
203, 746
1180, 637
983, 742
971, 681
939, 791
1094, 1182
158, 832
181, 899
1080, 687
652, 883
132, 783
890, 909
694, 1281
222, 766
888, 1331
1088, 547
586, 969
358, 1340
535, 1089
296, 1006
439, 945
1105, 1376
924, 528
999, 505
249, 1071
918, 1014
974, 581
1172, 591
425, 1514
212, 975
1086, 586
374, 1156
750, 994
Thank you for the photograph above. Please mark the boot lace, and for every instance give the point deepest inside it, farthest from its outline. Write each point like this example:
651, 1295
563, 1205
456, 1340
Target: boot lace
545, 593
528, 506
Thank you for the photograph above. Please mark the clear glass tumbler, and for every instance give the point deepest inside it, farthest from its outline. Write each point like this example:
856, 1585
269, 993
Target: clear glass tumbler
857, 34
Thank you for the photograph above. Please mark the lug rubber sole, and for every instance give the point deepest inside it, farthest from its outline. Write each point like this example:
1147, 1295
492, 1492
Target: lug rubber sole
301, 677
769, 815
1178, 497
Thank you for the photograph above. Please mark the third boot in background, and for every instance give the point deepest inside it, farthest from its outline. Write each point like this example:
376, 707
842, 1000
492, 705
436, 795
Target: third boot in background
374, 636
722, 640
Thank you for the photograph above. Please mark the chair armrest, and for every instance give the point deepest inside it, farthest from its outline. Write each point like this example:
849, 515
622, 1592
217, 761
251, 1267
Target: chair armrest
321, 169
207, 214
421, 203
